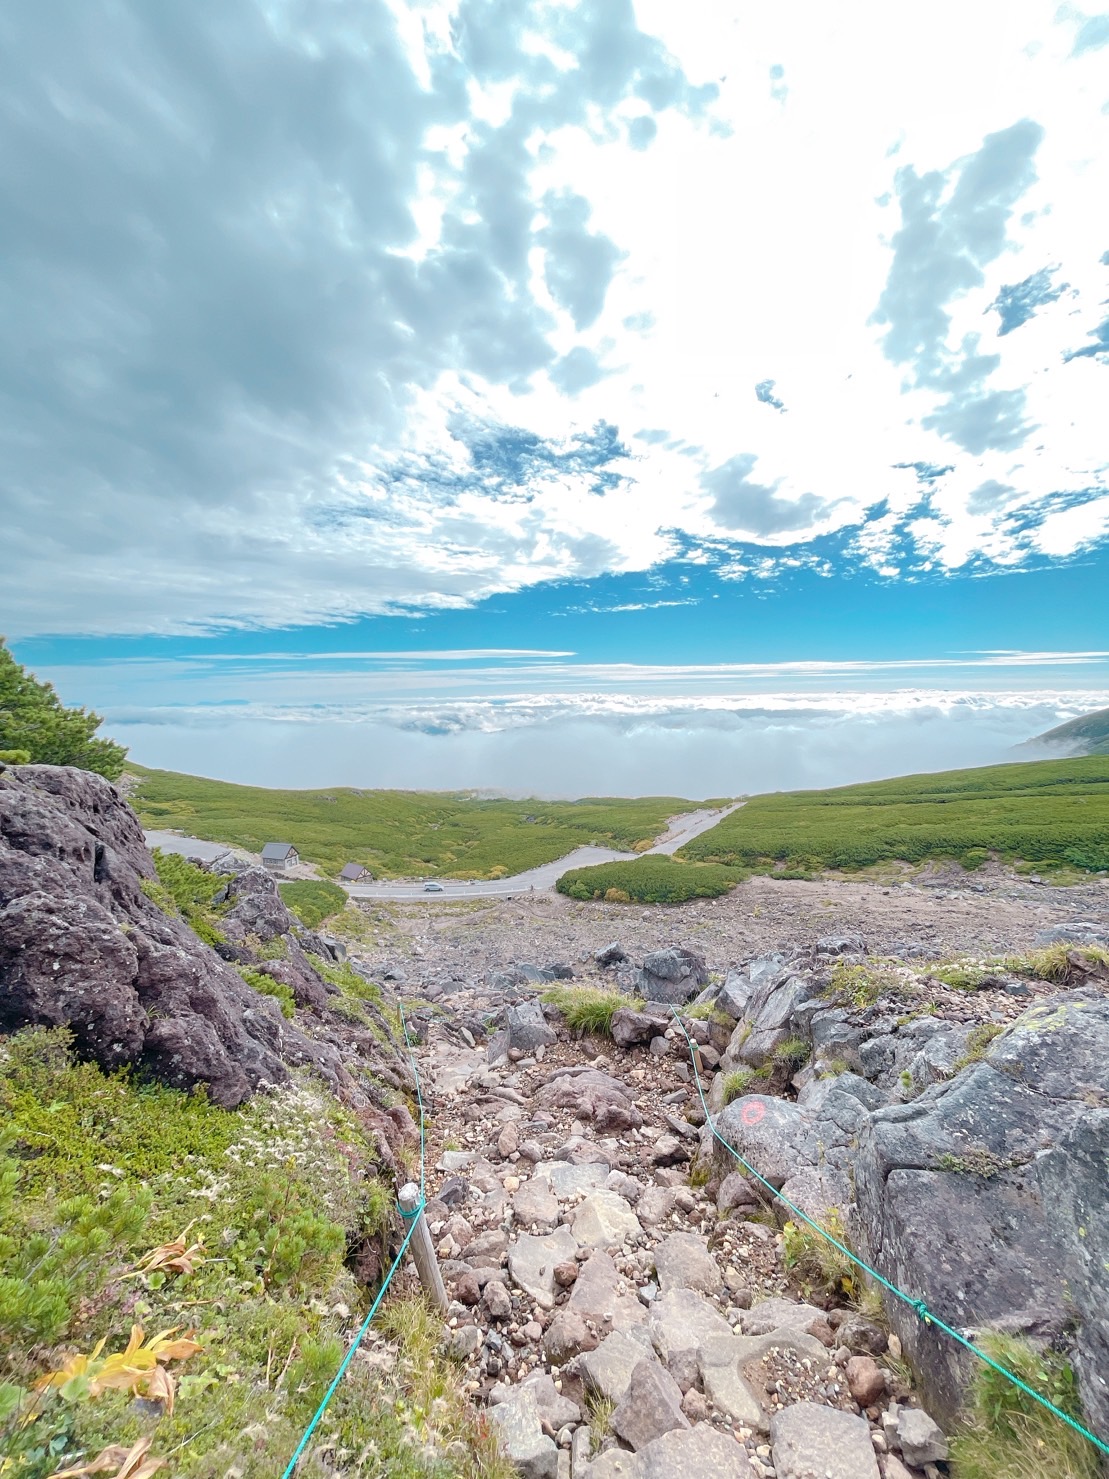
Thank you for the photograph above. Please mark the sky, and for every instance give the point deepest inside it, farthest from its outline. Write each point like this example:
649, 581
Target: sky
557, 397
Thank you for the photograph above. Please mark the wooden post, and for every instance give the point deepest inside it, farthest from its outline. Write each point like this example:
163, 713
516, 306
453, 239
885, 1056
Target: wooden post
423, 1249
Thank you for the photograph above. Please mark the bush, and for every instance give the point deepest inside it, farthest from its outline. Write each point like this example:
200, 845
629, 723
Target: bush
653, 880
183, 888
259, 981
15, 757
312, 900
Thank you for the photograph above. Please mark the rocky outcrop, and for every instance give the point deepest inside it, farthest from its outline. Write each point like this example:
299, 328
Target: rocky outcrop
82, 946
987, 1197
672, 976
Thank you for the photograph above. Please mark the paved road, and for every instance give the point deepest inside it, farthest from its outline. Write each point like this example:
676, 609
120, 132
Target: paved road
682, 829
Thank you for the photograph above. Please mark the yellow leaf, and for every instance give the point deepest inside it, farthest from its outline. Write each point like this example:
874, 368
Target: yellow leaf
128, 1463
161, 1387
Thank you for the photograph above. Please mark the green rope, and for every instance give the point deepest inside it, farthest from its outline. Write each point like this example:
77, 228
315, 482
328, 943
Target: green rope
409, 1217
922, 1310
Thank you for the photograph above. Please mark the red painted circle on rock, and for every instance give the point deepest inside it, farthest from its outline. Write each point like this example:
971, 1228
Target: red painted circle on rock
751, 1113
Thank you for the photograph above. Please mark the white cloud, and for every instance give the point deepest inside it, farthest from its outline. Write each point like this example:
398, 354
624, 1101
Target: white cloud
342, 337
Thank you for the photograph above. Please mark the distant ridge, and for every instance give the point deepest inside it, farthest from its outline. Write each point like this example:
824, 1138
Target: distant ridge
1086, 735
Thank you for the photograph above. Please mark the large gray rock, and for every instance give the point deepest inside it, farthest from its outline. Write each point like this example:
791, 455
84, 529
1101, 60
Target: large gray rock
521, 1437
527, 1027
651, 1406
785, 1013
592, 1095
814, 1442
532, 1261
535, 1204
988, 1198
729, 1374
683, 1261
600, 1294
83, 947
685, 1321
604, 1220
631, 1028
673, 976
692, 1453
608, 1370
1076, 932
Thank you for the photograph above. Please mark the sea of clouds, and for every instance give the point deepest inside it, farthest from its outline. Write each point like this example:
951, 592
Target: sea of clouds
565, 745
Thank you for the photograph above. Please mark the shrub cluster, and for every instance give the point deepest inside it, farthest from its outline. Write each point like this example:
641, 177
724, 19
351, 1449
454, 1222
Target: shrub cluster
654, 880
312, 900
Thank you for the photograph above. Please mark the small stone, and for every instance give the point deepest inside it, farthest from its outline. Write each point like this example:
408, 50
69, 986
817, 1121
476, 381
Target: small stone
497, 1300
567, 1336
565, 1274
532, 1331
863, 1337
695, 1406
866, 1381
464, 1342
466, 1289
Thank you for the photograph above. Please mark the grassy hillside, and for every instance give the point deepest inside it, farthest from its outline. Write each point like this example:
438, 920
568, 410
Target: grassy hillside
1088, 734
1045, 812
399, 833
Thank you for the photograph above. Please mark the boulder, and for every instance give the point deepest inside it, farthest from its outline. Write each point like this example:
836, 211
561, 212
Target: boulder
600, 1294
83, 947
532, 1260
673, 976
592, 1095
535, 1204
604, 1220
730, 1370
685, 1321
608, 1369
1075, 932
810, 1440
651, 1406
683, 1453
630, 1028
683, 1261
919, 1437
521, 1437
527, 1027
613, 954
567, 1336
987, 1197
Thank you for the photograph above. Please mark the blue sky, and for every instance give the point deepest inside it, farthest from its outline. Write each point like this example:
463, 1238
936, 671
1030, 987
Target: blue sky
414, 380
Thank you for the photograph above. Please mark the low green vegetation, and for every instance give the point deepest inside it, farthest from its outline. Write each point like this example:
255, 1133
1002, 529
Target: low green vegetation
36, 727
282, 993
212, 1244
452, 834
313, 901
1048, 813
654, 880
186, 890
587, 1009
863, 984
737, 1083
1010, 1436
1053, 962
977, 1045
1086, 735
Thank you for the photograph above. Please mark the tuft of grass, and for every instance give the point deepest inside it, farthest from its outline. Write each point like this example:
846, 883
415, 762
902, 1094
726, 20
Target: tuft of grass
739, 1080
817, 1263
600, 1410
587, 1009
1009, 1436
977, 1043
791, 1054
862, 985
1053, 963
312, 900
961, 975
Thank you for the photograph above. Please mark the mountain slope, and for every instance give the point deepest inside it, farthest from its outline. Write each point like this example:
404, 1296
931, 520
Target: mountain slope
1086, 735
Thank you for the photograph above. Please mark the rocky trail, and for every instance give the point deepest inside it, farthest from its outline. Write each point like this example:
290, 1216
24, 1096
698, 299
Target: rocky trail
619, 1320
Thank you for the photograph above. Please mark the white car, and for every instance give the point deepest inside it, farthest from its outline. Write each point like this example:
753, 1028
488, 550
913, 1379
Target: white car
433, 888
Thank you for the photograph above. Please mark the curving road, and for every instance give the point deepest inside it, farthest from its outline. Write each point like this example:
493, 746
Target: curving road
682, 830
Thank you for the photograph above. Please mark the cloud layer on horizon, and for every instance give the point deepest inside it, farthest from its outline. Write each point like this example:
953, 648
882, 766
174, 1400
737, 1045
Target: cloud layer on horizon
574, 745
319, 310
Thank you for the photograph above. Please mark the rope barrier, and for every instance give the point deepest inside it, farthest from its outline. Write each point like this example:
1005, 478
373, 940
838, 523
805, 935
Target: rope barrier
412, 1218
918, 1305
